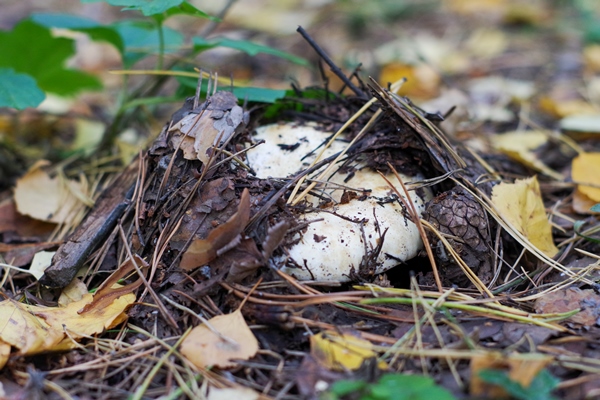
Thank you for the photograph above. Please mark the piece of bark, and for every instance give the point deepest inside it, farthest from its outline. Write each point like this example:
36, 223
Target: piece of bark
96, 227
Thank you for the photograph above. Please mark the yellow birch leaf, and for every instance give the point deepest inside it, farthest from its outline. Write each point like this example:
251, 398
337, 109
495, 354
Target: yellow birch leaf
519, 146
585, 169
228, 338
336, 351
36, 329
521, 204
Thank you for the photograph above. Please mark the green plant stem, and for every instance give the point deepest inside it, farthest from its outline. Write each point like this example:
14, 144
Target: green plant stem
475, 309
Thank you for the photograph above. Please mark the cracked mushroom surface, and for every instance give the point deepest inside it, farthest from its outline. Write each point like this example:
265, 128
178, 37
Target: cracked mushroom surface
353, 225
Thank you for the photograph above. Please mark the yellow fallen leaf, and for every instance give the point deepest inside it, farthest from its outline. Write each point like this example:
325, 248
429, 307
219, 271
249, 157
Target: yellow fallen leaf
519, 145
35, 329
73, 292
225, 339
336, 351
522, 368
521, 204
585, 169
582, 204
422, 80
48, 199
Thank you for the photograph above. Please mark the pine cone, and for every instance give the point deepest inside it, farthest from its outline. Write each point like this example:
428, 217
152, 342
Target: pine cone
456, 213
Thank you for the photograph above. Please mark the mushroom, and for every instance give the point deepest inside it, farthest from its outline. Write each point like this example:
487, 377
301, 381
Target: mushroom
344, 238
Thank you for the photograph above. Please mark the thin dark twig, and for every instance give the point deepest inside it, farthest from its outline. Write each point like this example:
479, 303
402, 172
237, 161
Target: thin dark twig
334, 68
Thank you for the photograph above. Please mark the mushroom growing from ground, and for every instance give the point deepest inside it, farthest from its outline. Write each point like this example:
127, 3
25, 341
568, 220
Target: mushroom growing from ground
354, 224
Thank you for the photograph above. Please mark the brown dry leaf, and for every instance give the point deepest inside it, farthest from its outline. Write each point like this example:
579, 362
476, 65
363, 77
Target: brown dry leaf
201, 251
340, 352
569, 299
522, 368
519, 145
228, 338
208, 127
585, 169
49, 199
35, 329
521, 204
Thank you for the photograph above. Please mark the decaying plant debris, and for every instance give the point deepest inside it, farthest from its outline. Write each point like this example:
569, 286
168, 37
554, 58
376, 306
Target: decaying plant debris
209, 230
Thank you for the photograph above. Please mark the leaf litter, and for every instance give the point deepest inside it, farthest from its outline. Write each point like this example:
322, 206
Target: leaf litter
201, 234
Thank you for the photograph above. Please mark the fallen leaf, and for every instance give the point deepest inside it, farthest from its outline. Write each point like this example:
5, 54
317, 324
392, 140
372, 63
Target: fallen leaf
41, 261
422, 80
74, 291
581, 123
36, 329
228, 338
519, 145
522, 368
521, 204
201, 251
585, 169
48, 199
110, 290
582, 204
340, 352
209, 125
569, 299
232, 393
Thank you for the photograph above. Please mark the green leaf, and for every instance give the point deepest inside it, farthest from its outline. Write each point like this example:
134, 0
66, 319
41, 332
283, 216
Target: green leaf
90, 27
595, 208
577, 225
344, 387
150, 8
142, 39
19, 90
201, 44
146, 7
31, 49
407, 387
539, 389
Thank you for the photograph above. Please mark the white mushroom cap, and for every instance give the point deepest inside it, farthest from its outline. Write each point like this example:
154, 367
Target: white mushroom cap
334, 245
270, 160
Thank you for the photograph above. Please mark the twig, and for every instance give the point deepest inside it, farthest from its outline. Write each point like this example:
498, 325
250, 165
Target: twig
334, 68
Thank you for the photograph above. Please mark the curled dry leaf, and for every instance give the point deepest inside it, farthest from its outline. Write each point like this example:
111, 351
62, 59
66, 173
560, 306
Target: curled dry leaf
226, 338
521, 204
201, 251
109, 291
205, 128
